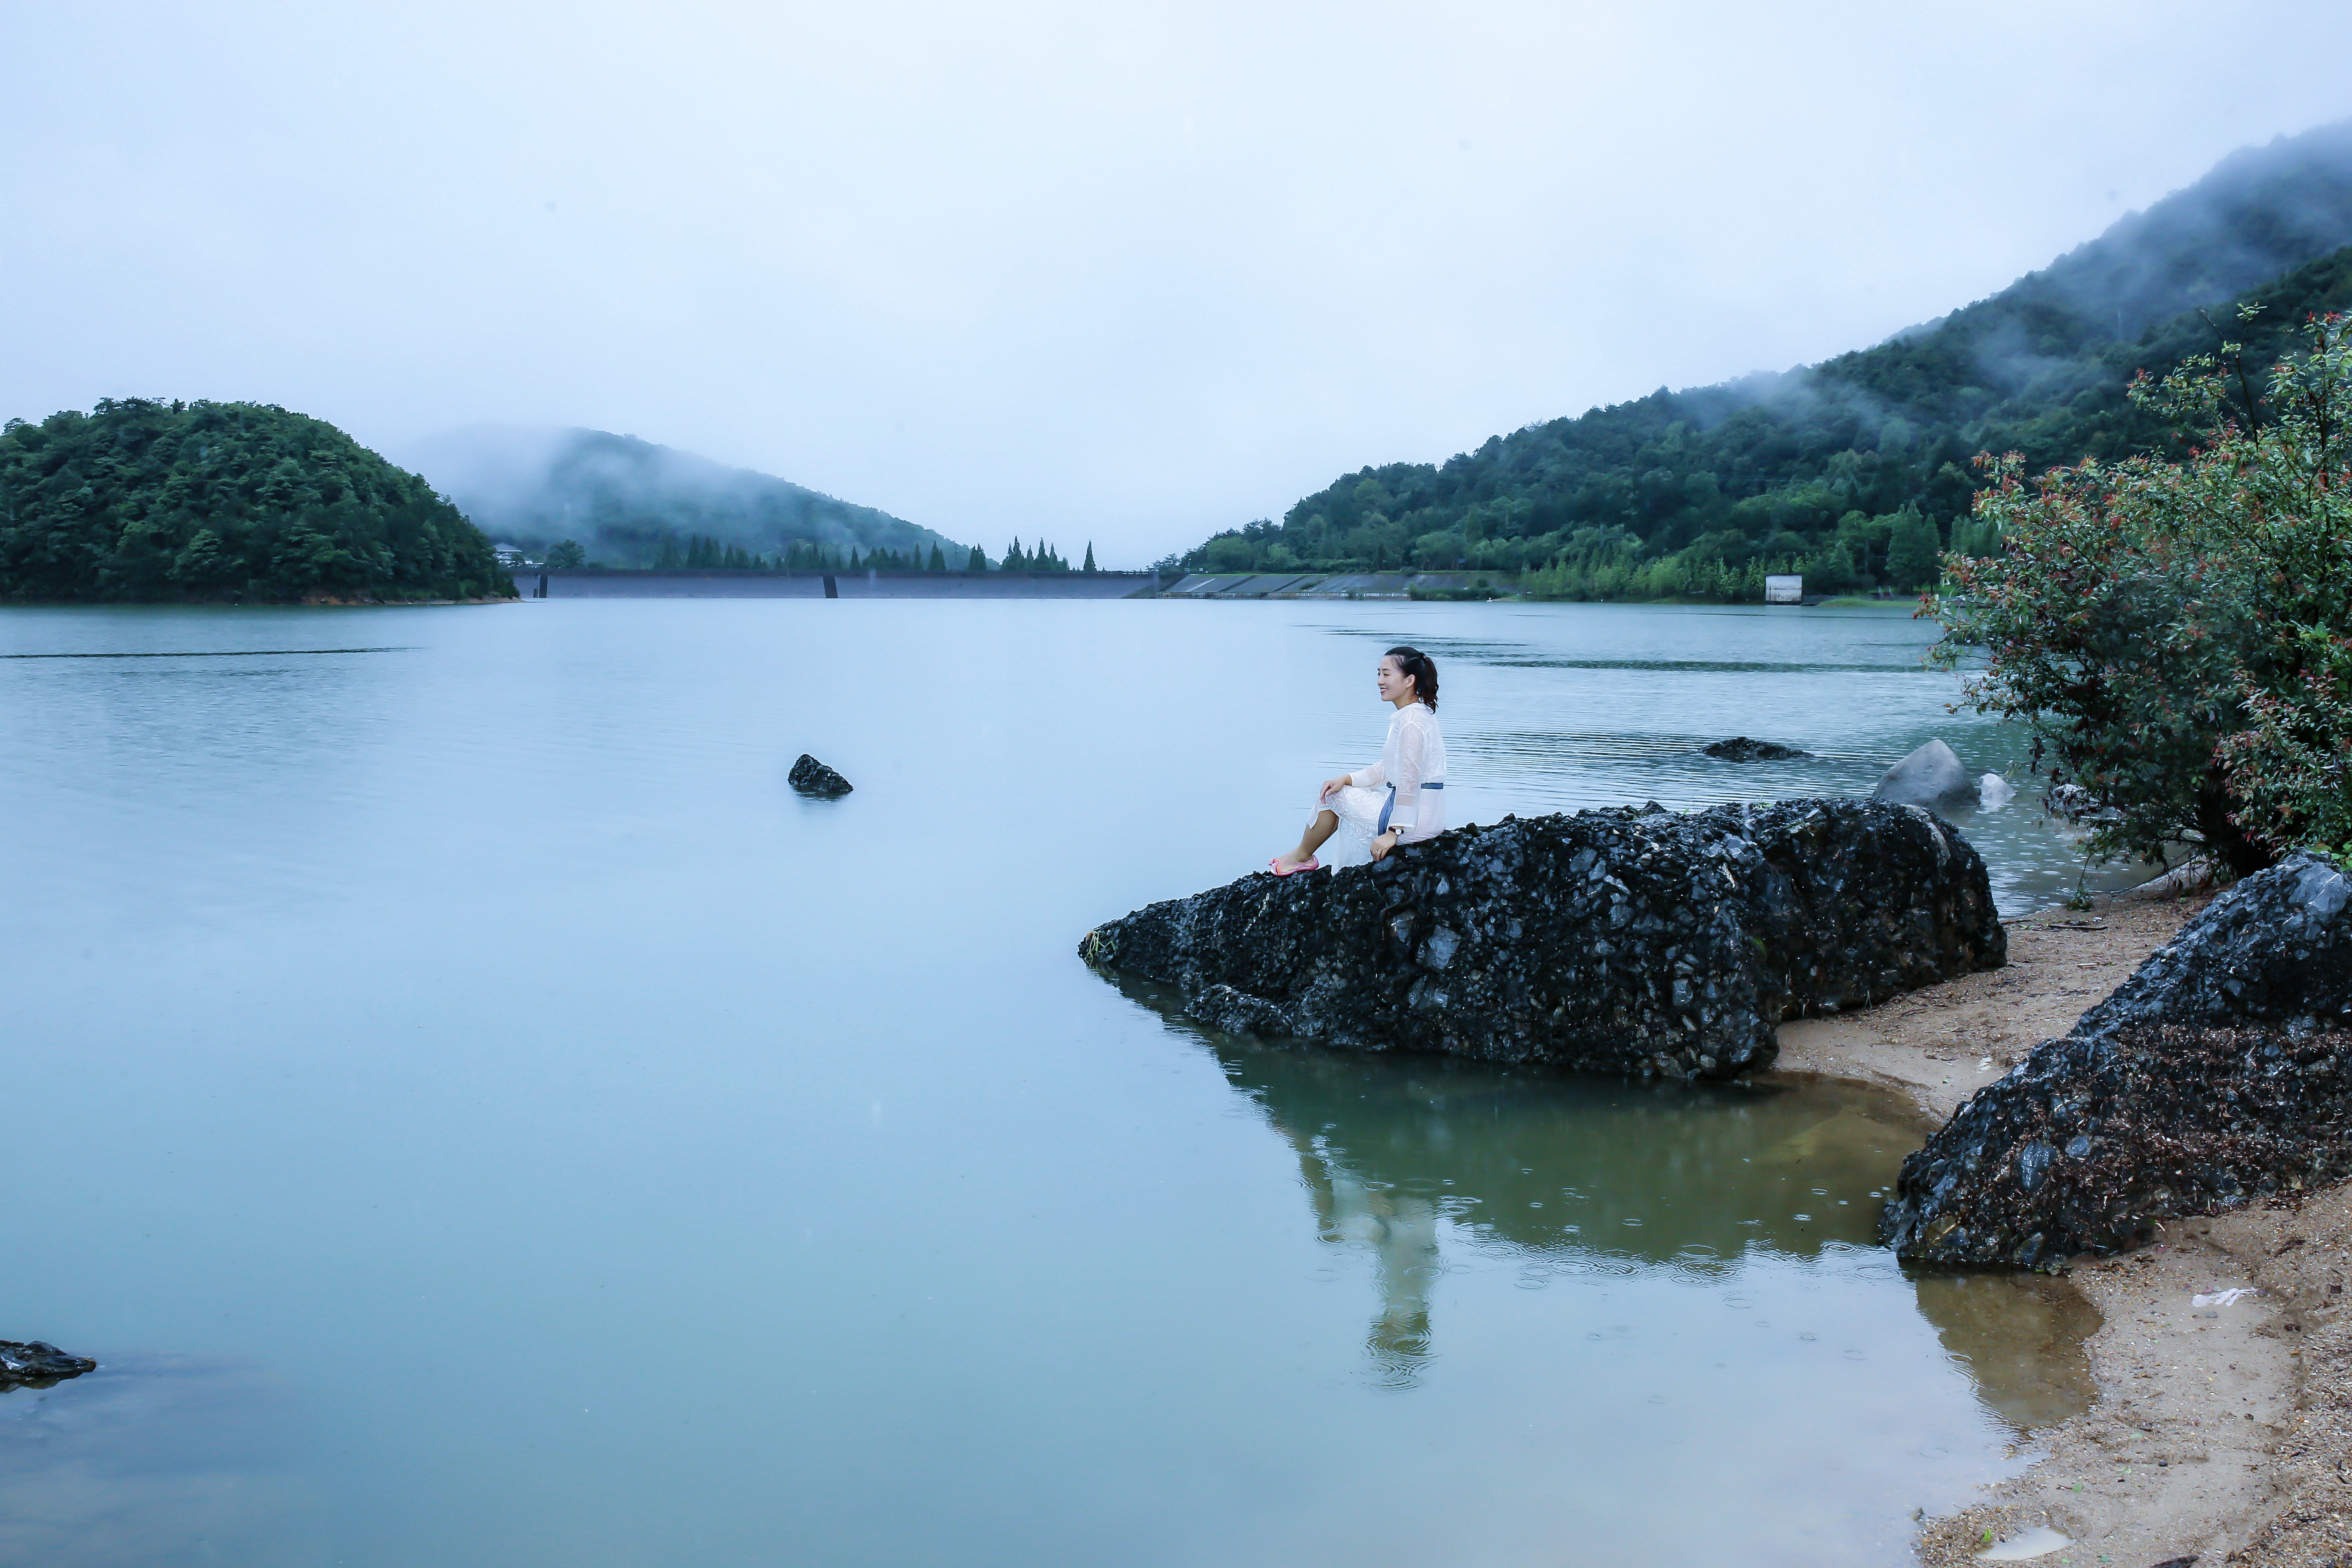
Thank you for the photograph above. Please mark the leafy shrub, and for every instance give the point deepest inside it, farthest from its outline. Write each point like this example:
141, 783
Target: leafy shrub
2174, 632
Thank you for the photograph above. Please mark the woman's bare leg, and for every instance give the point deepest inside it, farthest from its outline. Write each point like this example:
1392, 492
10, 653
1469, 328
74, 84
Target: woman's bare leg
1318, 832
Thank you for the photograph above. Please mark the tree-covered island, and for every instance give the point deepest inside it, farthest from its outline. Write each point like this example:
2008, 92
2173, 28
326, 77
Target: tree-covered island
147, 501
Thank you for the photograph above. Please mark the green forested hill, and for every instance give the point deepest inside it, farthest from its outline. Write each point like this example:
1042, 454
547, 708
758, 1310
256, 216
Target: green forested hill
140, 500
1856, 471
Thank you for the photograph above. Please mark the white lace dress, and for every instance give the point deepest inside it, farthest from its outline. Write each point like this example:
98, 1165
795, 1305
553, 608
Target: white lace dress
1404, 790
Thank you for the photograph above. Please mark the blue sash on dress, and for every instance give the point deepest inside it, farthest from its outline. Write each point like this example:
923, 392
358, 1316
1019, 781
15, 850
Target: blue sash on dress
1390, 805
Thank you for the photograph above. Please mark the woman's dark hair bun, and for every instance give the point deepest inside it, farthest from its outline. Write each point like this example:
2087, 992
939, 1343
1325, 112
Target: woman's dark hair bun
1422, 668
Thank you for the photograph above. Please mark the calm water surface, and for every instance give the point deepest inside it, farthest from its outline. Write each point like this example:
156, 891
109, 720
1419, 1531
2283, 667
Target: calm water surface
478, 1115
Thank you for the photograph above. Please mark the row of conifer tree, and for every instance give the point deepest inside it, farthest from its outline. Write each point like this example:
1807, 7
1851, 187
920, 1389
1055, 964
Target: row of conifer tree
696, 552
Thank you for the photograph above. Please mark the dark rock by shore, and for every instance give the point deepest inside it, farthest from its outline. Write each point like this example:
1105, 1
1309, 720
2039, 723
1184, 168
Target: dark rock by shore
812, 777
1623, 941
1741, 749
2221, 1071
31, 1363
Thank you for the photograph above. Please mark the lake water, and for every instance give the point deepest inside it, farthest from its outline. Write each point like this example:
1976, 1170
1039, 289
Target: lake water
478, 1115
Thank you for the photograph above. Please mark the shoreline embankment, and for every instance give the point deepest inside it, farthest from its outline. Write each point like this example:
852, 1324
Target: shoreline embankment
2221, 1425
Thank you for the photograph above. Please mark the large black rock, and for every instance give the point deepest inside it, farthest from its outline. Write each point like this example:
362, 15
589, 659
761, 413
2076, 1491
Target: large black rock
1620, 940
2217, 1071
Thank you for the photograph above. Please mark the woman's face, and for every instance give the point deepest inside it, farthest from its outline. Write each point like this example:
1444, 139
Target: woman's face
1394, 684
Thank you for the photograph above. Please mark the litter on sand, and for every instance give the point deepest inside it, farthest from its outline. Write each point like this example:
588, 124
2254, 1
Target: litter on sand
2223, 1298
2039, 1541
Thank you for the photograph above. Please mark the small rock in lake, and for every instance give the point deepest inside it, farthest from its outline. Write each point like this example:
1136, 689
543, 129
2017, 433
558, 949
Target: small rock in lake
812, 777
1930, 777
31, 1363
1993, 791
1741, 749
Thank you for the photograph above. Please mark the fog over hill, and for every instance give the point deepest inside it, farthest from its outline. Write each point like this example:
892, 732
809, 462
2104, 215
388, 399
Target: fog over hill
2256, 214
622, 499
1856, 471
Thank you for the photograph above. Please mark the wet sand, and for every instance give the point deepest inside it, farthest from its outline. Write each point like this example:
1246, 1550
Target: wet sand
2221, 1433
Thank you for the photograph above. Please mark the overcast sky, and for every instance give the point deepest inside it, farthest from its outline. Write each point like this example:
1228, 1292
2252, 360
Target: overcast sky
1120, 273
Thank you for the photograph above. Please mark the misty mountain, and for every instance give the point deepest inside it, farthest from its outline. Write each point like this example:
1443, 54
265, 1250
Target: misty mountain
1819, 468
623, 499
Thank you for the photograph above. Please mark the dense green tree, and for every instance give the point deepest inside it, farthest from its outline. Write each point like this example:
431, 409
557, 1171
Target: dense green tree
1089, 568
142, 499
1226, 554
566, 554
1912, 551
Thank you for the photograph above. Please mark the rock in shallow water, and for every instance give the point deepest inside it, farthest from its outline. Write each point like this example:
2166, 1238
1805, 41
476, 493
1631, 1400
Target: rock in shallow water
1930, 777
2221, 1069
1741, 749
35, 1365
1620, 940
812, 777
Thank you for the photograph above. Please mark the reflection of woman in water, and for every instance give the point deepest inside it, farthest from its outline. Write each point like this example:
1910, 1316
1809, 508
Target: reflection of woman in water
1398, 799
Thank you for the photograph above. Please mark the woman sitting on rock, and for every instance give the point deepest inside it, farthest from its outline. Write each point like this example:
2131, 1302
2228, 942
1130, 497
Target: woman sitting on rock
1401, 798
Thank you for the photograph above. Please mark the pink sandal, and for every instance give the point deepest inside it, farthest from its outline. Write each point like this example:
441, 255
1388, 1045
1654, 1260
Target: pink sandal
1274, 866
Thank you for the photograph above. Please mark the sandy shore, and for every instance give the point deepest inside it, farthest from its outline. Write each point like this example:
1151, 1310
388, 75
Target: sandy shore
2221, 1434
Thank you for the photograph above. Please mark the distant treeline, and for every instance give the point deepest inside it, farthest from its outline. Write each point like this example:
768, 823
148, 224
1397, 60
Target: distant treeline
1842, 471
696, 553
146, 500
1854, 473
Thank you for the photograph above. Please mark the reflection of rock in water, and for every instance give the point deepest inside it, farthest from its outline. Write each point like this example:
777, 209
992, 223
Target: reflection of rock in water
1576, 1174
2023, 1337
1400, 1229
150, 1462
1391, 1148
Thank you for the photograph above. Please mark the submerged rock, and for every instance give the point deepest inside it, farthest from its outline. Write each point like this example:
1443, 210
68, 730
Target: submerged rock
1931, 776
1618, 940
812, 777
1741, 749
2075, 804
33, 1363
2218, 1070
1993, 791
